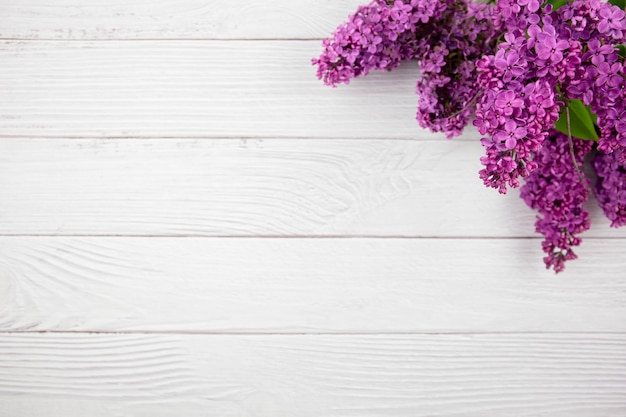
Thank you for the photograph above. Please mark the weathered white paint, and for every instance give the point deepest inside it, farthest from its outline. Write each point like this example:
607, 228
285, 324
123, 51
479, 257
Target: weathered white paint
207, 122
307, 285
499, 375
170, 19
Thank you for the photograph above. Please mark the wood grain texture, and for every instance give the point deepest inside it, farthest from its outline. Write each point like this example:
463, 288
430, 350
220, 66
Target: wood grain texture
199, 89
306, 285
333, 376
169, 19
159, 128
256, 187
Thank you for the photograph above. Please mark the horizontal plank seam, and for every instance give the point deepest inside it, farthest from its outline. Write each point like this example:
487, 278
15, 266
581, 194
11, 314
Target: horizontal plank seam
222, 137
204, 236
128, 39
260, 333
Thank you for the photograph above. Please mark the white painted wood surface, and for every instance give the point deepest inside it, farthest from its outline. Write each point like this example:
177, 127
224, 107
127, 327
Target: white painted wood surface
314, 375
253, 187
306, 285
198, 89
169, 19
191, 224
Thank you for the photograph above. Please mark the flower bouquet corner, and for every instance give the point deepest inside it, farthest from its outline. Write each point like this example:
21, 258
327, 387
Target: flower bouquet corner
542, 81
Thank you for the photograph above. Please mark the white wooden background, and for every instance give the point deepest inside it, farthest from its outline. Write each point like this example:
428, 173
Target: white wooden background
192, 225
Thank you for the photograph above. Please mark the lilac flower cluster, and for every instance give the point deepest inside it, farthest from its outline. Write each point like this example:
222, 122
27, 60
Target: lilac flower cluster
447, 88
518, 64
446, 36
520, 100
378, 36
610, 187
599, 78
547, 56
558, 190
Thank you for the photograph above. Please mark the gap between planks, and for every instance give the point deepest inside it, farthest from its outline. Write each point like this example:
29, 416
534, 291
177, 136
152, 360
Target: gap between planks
342, 333
207, 39
463, 138
321, 237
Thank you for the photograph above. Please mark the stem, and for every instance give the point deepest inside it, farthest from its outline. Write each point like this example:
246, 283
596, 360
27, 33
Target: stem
581, 176
470, 103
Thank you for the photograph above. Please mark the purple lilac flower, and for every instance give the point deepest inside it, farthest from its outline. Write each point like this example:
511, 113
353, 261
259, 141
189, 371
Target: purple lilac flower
598, 51
378, 36
610, 188
518, 88
610, 21
509, 64
374, 38
557, 189
508, 137
447, 88
548, 47
533, 5
542, 62
599, 80
446, 36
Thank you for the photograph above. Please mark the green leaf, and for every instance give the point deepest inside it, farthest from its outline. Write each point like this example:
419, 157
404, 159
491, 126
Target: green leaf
619, 3
582, 121
622, 50
556, 4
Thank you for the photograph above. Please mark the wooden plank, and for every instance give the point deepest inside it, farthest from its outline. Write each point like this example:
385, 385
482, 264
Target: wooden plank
256, 187
313, 375
307, 285
168, 19
195, 89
